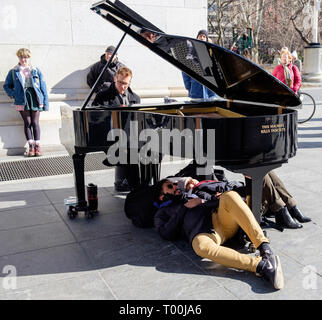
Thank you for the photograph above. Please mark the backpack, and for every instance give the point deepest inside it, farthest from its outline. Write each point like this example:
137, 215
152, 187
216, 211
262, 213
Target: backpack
139, 206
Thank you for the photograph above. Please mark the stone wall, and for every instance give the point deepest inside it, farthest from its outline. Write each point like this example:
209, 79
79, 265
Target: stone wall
65, 37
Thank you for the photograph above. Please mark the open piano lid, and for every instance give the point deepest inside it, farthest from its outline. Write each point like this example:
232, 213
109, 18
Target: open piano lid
228, 74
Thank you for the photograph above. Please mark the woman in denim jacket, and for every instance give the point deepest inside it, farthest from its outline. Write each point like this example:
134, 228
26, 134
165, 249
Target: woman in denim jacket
25, 84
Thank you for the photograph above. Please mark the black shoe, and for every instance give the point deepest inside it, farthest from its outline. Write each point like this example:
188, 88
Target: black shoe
122, 186
265, 251
284, 219
271, 270
298, 215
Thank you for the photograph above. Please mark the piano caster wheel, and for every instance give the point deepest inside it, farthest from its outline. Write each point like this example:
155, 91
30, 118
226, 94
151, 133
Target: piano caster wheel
72, 212
251, 248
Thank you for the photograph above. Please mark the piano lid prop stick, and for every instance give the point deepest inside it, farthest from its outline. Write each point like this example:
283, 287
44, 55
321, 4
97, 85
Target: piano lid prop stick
102, 72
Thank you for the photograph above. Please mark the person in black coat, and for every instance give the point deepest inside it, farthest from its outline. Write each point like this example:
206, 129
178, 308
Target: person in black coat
207, 189
108, 76
120, 94
209, 224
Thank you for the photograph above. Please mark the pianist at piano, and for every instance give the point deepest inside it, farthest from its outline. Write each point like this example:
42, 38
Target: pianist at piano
120, 94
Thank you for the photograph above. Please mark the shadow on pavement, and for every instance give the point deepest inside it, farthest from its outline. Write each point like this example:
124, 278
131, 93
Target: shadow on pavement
39, 239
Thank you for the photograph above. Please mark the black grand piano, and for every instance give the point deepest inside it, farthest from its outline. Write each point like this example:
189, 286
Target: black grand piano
253, 124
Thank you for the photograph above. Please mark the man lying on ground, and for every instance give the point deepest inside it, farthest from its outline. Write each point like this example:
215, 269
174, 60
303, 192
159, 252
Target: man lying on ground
209, 224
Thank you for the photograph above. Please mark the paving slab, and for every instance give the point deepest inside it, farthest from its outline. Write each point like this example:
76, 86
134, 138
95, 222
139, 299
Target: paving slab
34, 237
83, 287
108, 258
27, 217
102, 225
135, 282
47, 265
15, 200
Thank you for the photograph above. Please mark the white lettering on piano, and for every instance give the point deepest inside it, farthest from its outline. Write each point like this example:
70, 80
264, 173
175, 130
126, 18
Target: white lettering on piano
273, 128
117, 152
146, 147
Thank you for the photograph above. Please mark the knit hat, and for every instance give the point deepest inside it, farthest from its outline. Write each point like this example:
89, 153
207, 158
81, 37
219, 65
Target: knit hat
294, 54
110, 49
202, 32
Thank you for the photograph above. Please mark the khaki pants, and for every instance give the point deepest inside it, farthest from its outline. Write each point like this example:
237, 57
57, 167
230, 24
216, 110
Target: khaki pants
232, 213
275, 196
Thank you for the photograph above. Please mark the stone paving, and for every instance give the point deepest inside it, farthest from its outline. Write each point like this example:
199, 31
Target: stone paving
107, 257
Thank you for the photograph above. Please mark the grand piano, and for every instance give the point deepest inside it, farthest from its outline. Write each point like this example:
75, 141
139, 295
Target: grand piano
251, 129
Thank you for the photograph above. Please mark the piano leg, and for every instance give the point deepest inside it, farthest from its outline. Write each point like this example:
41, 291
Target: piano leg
79, 180
256, 186
156, 171
149, 172
137, 174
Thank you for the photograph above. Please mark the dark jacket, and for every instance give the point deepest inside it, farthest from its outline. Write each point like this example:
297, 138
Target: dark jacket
111, 97
108, 76
208, 188
176, 220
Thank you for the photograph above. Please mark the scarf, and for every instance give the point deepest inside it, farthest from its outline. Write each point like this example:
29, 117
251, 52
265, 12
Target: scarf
169, 199
287, 76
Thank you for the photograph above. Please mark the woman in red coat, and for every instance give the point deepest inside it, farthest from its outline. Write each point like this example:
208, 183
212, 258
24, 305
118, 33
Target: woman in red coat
287, 72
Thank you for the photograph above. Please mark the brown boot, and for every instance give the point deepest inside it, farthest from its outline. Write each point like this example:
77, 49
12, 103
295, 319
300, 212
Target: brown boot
37, 150
31, 152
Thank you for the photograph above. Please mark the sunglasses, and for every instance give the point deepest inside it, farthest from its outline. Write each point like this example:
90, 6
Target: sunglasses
171, 185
